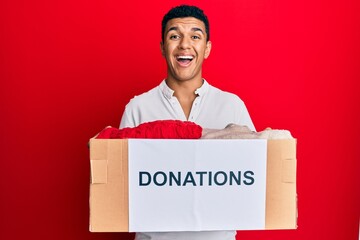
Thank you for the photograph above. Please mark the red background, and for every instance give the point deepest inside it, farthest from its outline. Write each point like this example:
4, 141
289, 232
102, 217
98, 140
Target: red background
67, 69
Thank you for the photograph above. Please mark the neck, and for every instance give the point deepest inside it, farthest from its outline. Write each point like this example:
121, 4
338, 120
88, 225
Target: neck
184, 91
184, 88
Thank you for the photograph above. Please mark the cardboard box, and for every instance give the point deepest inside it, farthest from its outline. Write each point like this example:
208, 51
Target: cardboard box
111, 186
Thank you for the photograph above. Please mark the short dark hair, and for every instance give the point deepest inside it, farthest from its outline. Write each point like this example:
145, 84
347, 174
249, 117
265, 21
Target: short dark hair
183, 11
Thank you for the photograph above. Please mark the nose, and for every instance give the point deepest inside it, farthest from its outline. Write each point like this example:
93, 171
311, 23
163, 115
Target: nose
184, 43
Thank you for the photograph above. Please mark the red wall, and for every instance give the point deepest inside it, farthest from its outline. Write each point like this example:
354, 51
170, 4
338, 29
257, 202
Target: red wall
67, 69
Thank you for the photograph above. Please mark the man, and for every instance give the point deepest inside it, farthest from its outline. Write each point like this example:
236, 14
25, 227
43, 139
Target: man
185, 95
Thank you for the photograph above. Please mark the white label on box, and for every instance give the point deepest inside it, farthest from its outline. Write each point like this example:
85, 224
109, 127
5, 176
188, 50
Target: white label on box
196, 185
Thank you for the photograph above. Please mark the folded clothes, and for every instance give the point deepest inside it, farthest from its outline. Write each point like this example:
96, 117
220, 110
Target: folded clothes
176, 129
233, 131
166, 129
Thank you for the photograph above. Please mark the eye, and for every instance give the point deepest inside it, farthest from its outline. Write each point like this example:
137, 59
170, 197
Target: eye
195, 37
174, 37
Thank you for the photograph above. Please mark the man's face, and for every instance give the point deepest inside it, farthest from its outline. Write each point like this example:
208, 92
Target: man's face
185, 48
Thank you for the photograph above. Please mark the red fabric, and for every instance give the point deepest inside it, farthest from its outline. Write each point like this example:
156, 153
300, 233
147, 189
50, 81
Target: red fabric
168, 129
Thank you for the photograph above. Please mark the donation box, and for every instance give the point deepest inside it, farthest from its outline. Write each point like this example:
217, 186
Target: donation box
155, 185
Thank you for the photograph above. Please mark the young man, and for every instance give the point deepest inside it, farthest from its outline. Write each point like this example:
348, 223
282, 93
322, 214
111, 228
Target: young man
185, 95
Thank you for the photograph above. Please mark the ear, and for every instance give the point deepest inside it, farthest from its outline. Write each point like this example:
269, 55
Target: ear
208, 49
162, 48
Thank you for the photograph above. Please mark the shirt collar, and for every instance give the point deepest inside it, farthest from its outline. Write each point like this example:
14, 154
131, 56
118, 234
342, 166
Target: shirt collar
203, 89
168, 92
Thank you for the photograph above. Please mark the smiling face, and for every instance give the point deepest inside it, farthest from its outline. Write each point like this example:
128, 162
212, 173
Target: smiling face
185, 48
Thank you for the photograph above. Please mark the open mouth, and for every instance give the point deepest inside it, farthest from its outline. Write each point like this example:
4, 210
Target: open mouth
184, 60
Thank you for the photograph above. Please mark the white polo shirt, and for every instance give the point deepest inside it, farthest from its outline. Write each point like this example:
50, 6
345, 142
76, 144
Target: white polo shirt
212, 108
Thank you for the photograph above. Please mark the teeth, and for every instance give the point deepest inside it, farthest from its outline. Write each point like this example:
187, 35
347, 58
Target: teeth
185, 57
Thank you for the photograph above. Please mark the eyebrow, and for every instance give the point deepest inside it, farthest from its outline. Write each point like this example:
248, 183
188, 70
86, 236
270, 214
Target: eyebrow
194, 29
197, 29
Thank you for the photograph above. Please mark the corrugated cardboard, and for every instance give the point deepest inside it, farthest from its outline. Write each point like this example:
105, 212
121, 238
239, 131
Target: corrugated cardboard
109, 204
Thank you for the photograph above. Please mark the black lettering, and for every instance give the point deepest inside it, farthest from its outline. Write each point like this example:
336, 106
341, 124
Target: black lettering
201, 177
189, 179
164, 180
176, 179
216, 180
141, 179
210, 178
235, 178
248, 175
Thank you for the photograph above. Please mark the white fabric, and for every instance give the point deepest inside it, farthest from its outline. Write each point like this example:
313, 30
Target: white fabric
233, 131
207, 235
212, 108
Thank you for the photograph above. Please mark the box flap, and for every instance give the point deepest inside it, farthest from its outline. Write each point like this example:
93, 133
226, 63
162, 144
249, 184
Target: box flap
281, 200
109, 201
288, 172
98, 171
